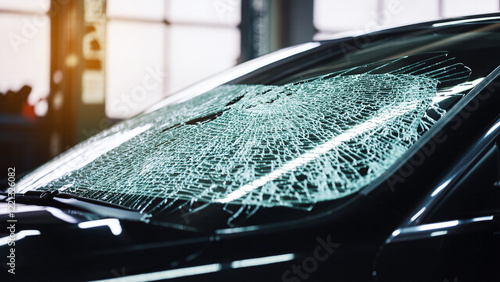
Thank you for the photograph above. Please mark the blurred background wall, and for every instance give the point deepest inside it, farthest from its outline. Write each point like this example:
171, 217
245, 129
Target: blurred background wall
71, 68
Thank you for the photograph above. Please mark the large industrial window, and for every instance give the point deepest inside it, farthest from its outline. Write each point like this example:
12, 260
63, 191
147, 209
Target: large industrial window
158, 47
24, 57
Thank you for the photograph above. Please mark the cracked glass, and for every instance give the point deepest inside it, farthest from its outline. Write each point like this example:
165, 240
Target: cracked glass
245, 147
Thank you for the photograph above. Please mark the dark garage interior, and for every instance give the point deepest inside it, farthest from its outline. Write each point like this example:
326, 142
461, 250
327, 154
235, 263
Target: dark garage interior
250, 140
65, 61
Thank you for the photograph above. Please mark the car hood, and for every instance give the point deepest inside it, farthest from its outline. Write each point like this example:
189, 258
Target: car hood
85, 245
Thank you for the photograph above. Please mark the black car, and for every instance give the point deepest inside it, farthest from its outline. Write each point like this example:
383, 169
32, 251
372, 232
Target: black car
367, 158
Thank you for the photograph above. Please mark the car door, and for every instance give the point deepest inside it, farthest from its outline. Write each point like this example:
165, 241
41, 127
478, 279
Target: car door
455, 234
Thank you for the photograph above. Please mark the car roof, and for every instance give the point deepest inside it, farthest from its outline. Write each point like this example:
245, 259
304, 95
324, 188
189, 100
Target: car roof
408, 27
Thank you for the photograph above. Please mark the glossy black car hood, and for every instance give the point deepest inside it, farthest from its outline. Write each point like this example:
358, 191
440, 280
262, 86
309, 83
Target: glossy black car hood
89, 246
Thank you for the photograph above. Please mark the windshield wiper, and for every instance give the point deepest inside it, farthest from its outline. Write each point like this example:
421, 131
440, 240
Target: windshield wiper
58, 199
63, 200
41, 197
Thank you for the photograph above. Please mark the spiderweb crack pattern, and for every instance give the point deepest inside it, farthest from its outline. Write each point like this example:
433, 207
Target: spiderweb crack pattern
261, 145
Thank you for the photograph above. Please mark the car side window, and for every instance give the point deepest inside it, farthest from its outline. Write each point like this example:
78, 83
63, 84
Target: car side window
476, 194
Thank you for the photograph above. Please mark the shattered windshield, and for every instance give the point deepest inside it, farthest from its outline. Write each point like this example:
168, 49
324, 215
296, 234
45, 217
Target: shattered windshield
251, 146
